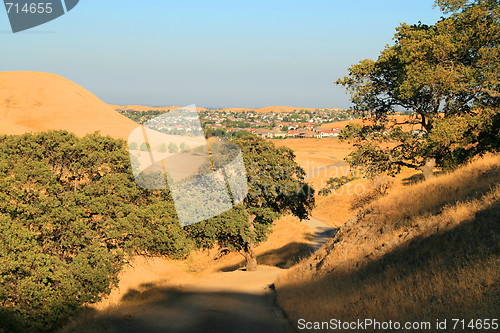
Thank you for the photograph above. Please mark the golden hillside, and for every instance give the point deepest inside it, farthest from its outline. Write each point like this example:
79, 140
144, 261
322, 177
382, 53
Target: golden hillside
429, 250
170, 108
36, 102
148, 108
407, 123
268, 109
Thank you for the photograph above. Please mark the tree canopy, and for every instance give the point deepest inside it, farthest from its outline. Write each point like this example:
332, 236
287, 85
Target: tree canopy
447, 75
70, 213
276, 187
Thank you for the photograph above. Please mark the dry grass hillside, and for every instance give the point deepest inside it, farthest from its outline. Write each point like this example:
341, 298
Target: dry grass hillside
161, 288
289, 241
36, 102
323, 159
268, 109
149, 108
420, 252
320, 158
170, 108
405, 122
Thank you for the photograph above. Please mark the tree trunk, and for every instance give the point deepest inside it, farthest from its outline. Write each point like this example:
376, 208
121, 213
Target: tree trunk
247, 251
428, 168
251, 259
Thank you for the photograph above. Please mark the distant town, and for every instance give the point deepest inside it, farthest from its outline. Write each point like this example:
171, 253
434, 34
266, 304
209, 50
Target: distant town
270, 125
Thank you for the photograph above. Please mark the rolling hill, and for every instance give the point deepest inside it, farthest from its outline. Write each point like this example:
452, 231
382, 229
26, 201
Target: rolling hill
37, 102
428, 249
268, 109
148, 108
170, 108
407, 123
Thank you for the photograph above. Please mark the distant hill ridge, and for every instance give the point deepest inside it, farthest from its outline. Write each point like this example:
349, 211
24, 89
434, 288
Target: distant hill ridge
260, 110
147, 108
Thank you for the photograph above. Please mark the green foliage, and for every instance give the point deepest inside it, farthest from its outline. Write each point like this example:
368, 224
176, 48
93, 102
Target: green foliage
145, 146
141, 117
173, 148
447, 75
358, 131
217, 132
240, 134
334, 183
227, 230
457, 138
70, 214
132, 146
449, 6
185, 147
276, 187
276, 181
162, 148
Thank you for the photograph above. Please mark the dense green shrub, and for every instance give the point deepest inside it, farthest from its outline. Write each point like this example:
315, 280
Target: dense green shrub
70, 213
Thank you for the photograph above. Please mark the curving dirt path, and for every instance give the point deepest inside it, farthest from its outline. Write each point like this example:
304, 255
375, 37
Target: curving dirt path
237, 301
321, 231
317, 171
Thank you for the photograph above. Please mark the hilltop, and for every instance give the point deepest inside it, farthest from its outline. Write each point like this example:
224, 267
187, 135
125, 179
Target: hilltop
429, 249
407, 123
145, 108
275, 109
268, 109
36, 102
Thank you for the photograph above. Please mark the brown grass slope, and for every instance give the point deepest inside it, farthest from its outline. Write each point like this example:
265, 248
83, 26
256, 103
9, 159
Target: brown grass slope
407, 123
425, 252
146, 108
170, 108
37, 102
275, 109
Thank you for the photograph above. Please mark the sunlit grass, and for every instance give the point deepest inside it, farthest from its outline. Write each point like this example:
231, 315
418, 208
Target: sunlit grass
421, 252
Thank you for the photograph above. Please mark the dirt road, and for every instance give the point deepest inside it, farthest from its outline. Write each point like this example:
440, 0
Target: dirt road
237, 301
318, 171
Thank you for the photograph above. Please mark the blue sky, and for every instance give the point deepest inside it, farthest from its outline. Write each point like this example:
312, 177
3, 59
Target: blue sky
212, 53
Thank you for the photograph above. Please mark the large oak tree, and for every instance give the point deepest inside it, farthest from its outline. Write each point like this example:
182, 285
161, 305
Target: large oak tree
276, 187
447, 76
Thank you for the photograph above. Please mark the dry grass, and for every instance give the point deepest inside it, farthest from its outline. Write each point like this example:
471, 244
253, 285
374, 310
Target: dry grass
422, 252
337, 207
145, 280
149, 108
268, 109
407, 123
288, 242
321, 159
36, 102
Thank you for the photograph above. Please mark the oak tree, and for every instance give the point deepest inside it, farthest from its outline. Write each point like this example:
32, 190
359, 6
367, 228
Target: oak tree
276, 187
447, 75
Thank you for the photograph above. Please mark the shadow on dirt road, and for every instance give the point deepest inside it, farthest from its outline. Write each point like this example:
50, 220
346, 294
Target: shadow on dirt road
187, 311
223, 302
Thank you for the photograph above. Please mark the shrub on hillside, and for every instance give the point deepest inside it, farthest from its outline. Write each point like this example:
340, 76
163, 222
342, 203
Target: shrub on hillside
70, 213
